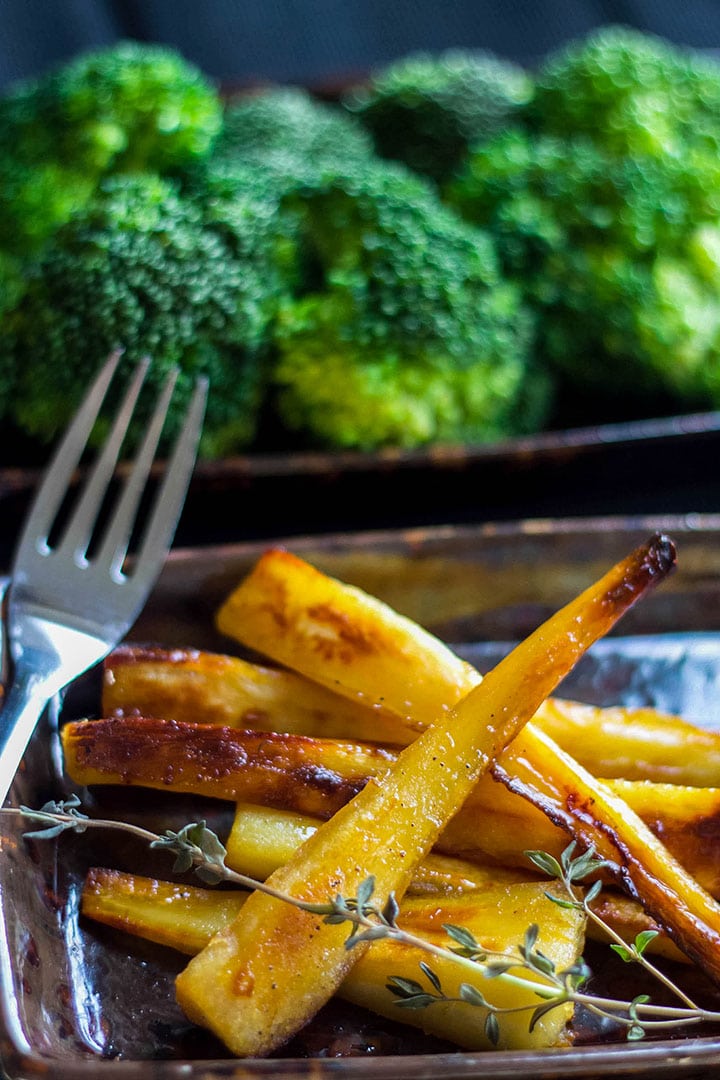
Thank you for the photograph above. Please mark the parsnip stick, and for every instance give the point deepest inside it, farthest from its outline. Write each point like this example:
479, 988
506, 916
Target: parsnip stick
210, 688
318, 776
679, 904
259, 981
590, 811
261, 839
185, 918
633, 744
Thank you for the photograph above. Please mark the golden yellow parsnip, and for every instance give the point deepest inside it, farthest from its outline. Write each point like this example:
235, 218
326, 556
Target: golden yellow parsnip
591, 811
209, 688
260, 980
668, 893
318, 776
633, 744
346, 640
263, 838
184, 917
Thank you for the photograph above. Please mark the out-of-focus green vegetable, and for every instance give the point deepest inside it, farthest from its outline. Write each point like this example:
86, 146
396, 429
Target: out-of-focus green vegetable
607, 212
290, 122
150, 272
132, 107
632, 92
427, 109
410, 335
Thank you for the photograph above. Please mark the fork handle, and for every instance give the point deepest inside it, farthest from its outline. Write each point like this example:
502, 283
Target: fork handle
26, 700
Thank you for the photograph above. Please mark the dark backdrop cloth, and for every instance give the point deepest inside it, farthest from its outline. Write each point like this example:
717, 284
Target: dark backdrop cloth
325, 42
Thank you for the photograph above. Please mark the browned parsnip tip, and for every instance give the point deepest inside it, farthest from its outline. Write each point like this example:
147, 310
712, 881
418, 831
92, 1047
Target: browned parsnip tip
647, 565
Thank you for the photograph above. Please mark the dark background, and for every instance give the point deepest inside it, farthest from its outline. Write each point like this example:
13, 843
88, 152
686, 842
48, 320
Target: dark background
320, 41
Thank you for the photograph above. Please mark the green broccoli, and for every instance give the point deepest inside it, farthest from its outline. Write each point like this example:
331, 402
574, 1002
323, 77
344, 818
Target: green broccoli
129, 108
410, 335
12, 282
426, 110
631, 92
620, 256
288, 121
148, 271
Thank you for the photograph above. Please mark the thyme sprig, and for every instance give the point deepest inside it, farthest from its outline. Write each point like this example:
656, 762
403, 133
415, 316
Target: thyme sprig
198, 848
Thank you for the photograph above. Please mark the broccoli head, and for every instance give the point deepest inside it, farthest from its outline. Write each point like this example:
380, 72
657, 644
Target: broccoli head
12, 282
132, 107
38, 199
426, 110
411, 335
287, 122
145, 270
128, 108
619, 257
631, 92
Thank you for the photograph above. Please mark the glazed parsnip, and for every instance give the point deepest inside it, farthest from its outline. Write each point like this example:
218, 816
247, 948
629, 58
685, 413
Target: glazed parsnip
346, 640
318, 776
633, 744
263, 838
185, 918
670, 894
261, 979
210, 688
591, 811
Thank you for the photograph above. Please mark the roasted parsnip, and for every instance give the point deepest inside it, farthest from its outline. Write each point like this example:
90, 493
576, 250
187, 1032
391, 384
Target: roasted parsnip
633, 744
208, 688
257, 982
318, 776
297, 627
262, 838
185, 918
590, 810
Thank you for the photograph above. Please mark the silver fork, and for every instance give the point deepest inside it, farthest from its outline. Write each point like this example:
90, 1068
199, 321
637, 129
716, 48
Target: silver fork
66, 608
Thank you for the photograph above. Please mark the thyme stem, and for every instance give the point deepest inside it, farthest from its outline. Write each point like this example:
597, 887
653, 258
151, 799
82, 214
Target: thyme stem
196, 846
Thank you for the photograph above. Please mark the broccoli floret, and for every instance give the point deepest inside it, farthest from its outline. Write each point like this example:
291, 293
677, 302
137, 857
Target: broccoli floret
426, 110
411, 335
631, 92
145, 270
620, 257
12, 282
290, 122
37, 199
128, 108
132, 107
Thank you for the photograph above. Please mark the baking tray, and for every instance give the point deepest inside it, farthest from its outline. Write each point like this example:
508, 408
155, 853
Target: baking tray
81, 1002
640, 466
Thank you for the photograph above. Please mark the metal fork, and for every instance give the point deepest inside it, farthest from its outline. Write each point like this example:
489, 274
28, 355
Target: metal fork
69, 607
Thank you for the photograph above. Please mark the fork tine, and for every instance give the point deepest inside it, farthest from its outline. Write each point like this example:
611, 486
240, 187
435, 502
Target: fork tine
55, 483
161, 526
115, 542
79, 529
